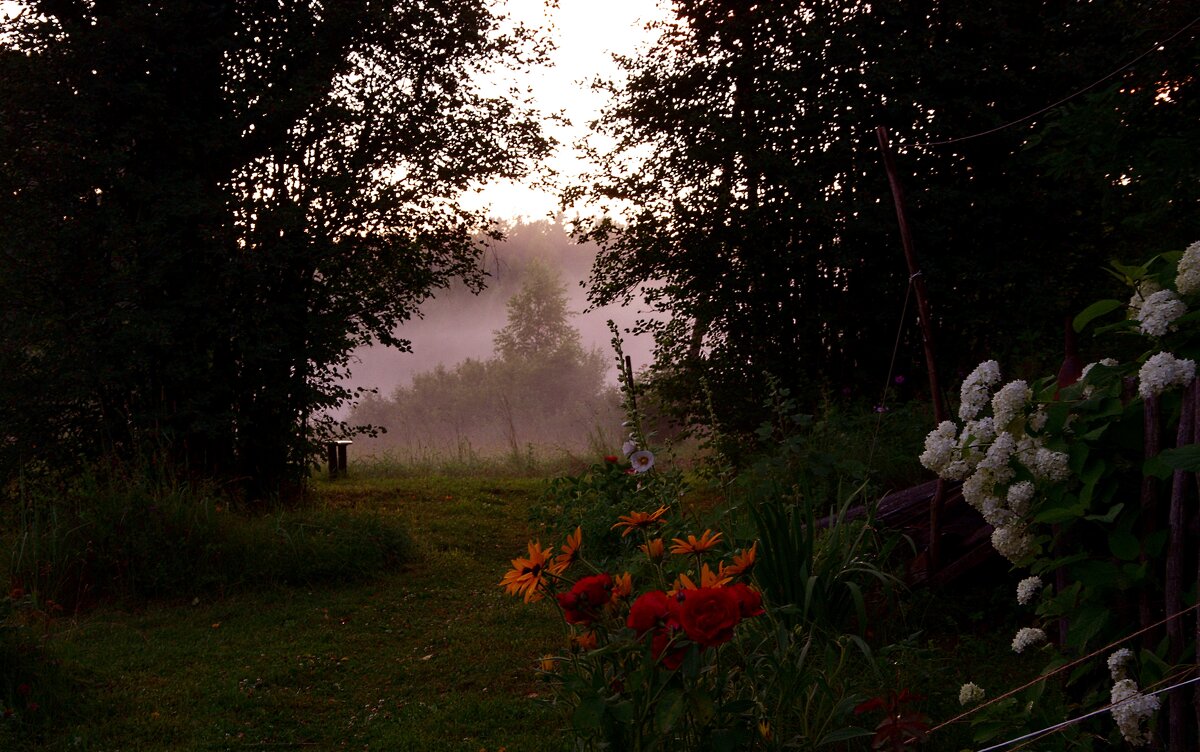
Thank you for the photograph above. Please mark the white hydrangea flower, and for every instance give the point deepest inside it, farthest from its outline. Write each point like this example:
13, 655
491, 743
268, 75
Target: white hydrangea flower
1158, 313
970, 693
1027, 449
995, 513
1013, 542
977, 488
976, 390
1037, 421
1028, 588
1010, 402
941, 447
1051, 465
957, 470
1019, 496
1027, 637
996, 458
1145, 289
977, 434
1130, 709
1118, 661
1163, 371
1187, 274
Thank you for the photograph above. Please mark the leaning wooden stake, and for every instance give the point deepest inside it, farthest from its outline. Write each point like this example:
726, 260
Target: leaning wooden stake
1173, 588
1148, 512
924, 319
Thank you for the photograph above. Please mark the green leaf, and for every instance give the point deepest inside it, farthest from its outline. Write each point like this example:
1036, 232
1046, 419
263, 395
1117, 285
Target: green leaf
1184, 458
589, 714
1095, 310
1124, 545
1108, 516
843, 734
668, 710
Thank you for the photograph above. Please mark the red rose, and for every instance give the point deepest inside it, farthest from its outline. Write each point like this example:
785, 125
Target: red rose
709, 614
652, 610
580, 606
610, 459
749, 601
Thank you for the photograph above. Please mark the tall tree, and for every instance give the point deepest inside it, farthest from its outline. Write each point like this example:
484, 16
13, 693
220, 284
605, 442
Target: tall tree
759, 218
208, 204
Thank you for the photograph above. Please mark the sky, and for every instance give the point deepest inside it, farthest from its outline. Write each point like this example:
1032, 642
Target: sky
586, 33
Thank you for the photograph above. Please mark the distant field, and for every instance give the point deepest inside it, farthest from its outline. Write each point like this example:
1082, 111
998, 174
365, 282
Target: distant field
434, 657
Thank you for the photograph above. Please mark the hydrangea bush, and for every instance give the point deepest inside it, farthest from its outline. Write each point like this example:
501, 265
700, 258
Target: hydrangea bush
1057, 468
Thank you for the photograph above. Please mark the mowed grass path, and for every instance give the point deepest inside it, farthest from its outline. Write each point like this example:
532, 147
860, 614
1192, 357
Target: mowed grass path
433, 657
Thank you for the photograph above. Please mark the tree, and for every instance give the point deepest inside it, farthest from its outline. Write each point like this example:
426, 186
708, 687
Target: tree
761, 223
209, 204
538, 320
540, 386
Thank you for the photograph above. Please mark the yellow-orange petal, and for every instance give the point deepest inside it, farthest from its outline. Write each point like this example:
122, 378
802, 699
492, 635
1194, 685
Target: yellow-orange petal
693, 545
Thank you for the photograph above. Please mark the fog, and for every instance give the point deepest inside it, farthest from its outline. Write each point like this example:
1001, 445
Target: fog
456, 325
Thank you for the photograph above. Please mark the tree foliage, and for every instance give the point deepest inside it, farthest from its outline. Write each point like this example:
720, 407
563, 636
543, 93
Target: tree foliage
208, 205
757, 211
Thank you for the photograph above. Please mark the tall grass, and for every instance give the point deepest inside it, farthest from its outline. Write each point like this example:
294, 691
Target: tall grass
141, 534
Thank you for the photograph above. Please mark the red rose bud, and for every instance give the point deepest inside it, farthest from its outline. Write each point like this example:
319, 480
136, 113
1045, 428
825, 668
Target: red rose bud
749, 601
581, 605
708, 615
610, 459
652, 610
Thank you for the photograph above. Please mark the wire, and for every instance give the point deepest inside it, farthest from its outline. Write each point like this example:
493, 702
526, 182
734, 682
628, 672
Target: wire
1065, 99
1072, 721
1062, 668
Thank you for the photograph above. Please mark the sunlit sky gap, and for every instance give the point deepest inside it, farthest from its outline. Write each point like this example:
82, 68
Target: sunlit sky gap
586, 34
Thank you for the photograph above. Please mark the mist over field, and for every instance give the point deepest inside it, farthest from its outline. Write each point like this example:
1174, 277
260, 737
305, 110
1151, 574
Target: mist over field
457, 326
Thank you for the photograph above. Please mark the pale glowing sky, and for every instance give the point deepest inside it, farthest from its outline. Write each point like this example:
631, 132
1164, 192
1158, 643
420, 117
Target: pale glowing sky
587, 32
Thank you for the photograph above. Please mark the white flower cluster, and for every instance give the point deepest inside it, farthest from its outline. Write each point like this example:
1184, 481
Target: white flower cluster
1010, 402
1163, 371
1117, 663
1028, 588
1158, 311
989, 451
970, 693
1027, 637
1145, 289
976, 390
1187, 274
1130, 709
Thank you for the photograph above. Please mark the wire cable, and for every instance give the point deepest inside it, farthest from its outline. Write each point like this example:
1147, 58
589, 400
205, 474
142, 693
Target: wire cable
1060, 102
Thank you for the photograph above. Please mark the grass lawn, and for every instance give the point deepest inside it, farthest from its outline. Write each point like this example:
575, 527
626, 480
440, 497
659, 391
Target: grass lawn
434, 657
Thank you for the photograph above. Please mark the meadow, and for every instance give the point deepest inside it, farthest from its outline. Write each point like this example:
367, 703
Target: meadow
430, 656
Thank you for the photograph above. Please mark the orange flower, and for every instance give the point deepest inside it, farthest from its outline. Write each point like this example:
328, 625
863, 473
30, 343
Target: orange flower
682, 582
622, 585
743, 562
527, 575
707, 540
548, 663
570, 552
585, 641
654, 549
639, 520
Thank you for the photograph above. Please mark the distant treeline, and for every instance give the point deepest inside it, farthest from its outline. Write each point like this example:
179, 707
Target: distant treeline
540, 389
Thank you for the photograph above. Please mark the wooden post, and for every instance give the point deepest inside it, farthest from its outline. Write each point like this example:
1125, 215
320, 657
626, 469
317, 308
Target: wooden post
917, 280
1173, 582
